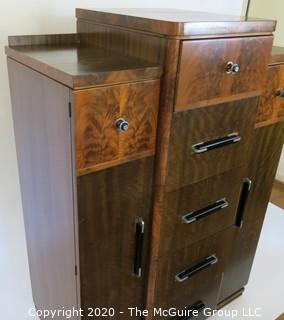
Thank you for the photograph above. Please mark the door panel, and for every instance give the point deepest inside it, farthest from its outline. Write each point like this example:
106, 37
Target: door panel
109, 203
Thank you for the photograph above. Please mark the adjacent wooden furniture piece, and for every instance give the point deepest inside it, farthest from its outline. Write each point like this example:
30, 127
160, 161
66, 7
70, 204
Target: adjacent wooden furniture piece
147, 146
277, 194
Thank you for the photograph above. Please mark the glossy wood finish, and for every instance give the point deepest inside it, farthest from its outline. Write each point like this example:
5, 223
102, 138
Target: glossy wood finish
43, 139
271, 106
109, 201
199, 125
123, 57
99, 144
163, 138
123, 41
203, 79
81, 66
177, 235
265, 154
204, 285
174, 22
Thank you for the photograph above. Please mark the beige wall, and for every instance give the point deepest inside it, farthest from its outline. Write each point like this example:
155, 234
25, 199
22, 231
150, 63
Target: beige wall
273, 9
35, 17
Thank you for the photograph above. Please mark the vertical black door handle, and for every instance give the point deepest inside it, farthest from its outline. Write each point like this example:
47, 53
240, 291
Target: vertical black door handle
243, 202
139, 240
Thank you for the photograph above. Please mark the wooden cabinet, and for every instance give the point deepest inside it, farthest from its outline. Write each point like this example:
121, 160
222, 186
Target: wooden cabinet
147, 145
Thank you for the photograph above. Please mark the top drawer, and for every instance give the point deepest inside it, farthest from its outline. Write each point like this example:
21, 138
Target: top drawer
115, 124
206, 76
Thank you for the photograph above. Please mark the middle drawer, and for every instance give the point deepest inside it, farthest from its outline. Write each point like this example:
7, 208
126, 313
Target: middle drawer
200, 210
208, 141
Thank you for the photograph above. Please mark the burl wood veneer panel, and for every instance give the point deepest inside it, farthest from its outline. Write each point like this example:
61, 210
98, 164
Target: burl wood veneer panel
203, 78
98, 142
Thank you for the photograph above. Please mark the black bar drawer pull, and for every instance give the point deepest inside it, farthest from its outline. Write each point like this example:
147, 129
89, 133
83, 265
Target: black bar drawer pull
204, 212
243, 202
139, 239
198, 306
185, 274
216, 143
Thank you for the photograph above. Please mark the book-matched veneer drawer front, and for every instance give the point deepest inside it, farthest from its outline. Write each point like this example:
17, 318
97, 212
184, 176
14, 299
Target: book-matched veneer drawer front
200, 210
212, 71
115, 124
193, 273
209, 141
271, 104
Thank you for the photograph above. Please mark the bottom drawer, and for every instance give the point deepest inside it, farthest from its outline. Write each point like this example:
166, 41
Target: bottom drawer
192, 276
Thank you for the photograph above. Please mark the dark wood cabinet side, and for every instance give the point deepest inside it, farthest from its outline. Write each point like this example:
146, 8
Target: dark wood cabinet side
43, 140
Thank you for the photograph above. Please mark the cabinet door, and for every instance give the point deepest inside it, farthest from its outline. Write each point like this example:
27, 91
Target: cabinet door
110, 202
266, 151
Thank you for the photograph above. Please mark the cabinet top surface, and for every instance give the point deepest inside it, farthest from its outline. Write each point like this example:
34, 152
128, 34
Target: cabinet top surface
174, 22
78, 66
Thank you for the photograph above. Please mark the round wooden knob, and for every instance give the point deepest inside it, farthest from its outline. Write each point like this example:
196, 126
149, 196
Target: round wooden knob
232, 68
122, 125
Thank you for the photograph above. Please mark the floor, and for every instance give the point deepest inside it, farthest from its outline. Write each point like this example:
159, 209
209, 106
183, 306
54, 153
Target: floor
277, 195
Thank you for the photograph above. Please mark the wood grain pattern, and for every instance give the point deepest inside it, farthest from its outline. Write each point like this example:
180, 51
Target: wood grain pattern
109, 201
174, 22
43, 139
134, 43
176, 235
97, 139
271, 106
204, 285
81, 66
265, 154
202, 73
204, 124
44, 39
161, 159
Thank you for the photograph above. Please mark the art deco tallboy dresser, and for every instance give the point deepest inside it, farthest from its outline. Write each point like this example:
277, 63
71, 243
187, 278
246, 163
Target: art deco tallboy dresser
147, 146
